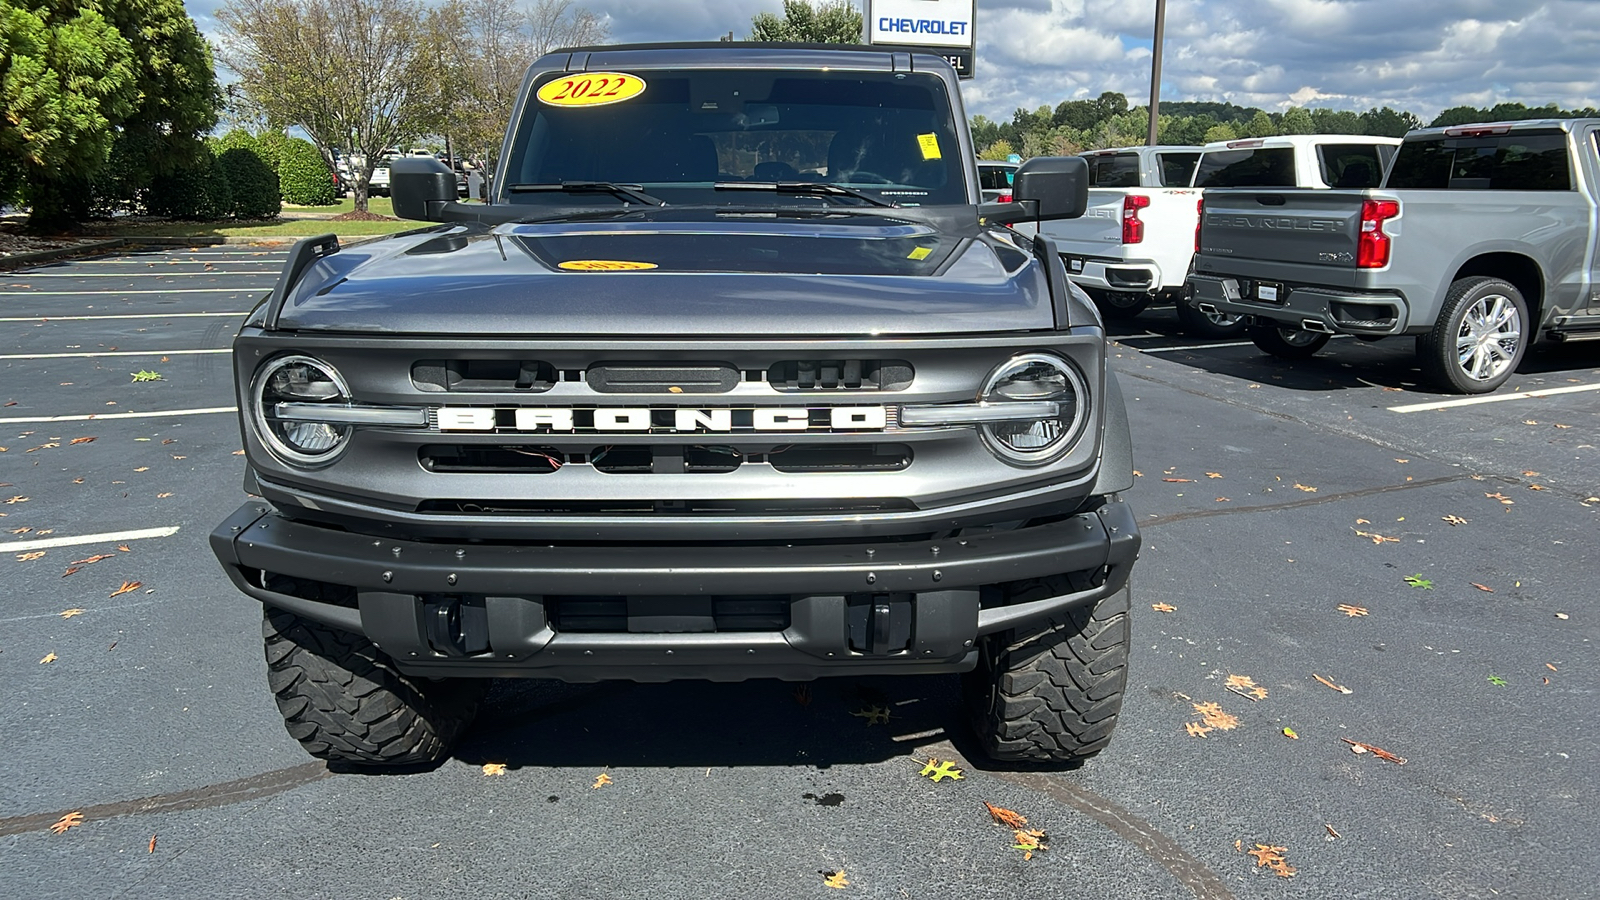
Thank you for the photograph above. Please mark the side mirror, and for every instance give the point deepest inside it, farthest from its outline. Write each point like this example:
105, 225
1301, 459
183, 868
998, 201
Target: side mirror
421, 187
1050, 187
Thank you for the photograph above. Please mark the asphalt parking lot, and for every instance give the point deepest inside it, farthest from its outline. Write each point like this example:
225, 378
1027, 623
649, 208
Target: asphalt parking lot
1459, 536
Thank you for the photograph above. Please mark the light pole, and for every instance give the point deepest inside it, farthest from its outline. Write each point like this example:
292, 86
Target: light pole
1155, 71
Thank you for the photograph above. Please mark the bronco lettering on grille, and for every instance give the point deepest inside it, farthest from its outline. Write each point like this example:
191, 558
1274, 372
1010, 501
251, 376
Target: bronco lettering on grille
623, 420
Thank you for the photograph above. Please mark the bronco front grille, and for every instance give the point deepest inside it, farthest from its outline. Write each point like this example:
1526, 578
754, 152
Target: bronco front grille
840, 375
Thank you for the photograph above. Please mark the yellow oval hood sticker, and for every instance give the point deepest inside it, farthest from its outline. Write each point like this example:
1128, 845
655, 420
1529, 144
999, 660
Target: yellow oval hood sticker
591, 89
604, 265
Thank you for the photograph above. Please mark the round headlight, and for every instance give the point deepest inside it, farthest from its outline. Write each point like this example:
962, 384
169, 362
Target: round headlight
1036, 377
281, 394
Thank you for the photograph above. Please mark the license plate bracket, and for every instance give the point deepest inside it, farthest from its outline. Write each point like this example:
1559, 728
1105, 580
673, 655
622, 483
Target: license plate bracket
1270, 292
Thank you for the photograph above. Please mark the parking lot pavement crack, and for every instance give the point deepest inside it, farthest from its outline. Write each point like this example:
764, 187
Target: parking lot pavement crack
1297, 504
1146, 838
227, 793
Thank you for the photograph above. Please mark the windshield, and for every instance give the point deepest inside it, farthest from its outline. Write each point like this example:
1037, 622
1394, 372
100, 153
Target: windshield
889, 135
1259, 167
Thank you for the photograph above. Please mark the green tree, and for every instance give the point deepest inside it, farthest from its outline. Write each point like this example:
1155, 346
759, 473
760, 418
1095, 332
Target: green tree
825, 22
254, 182
303, 174
998, 150
1297, 120
77, 74
1387, 122
1223, 132
1260, 125
1335, 121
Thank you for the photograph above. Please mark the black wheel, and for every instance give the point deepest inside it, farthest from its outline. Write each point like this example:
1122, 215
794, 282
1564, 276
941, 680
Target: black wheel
1480, 337
1287, 343
344, 701
1052, 695
1118, 304
1210, 325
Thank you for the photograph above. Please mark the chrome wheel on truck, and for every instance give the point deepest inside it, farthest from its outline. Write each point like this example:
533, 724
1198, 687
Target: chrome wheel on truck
1478, 340
1202, 324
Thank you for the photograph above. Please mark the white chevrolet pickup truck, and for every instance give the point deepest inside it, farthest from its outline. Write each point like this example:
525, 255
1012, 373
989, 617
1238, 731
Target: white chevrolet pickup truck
1135, 243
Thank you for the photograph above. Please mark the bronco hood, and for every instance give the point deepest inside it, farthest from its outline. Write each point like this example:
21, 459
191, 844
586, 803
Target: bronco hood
715, 273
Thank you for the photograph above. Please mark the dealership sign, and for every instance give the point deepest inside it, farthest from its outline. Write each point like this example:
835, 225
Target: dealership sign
943, 27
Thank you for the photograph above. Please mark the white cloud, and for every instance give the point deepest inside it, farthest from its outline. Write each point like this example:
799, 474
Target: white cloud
1419, 55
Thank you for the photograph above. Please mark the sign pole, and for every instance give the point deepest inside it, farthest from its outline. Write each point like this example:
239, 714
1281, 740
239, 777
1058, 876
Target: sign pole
1155, 72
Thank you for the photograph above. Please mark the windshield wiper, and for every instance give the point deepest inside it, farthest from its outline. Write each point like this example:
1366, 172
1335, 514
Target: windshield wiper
623, 191
798, 187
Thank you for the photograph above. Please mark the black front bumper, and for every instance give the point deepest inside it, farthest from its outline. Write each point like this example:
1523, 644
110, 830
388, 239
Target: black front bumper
391, 589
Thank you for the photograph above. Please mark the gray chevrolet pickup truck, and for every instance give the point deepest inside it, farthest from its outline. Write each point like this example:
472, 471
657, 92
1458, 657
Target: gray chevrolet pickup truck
1481, 240
735, 377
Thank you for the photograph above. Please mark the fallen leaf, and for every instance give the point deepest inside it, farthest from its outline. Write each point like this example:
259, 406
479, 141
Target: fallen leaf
875, 715
30, 557
180, 457
1213, 474
494, 768
169, 441
1402, 461
1028, 840
69, 571
164, 495
18, 499
939, 771
1224, 500
69, 613
142, 469
1338, 687
1417, 581
23, 530
1551, 668
1501, 497
1379, 752
145, 375
601, 781
93, 559
1006, 817
1305, 487
70, 820
152, 843
1454, 520
1530, 474
1537, 487
124, 548
1163, 607
1331, 833
48, 658
802, 695
1561, 615
1378, 538
1266, 853
82, 440
77, 481
1289, 733
1195, 729
1178, 480
1562, 426
1363, 521
1214, 717
1483, 587
127, 587
1497, 681
835, 879
1352, 611
1281, 868
241, 453
1529, 422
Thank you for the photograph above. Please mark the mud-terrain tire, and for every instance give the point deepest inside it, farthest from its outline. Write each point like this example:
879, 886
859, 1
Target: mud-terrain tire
1209, 325
1482, 314
1051, 695
1118, 305
345, 701
1287, 343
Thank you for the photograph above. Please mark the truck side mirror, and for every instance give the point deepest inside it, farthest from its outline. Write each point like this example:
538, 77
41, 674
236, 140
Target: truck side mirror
1049, 187
421, 188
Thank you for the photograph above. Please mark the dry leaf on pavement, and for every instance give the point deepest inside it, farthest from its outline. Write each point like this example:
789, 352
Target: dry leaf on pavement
1483, 587
875, 715
1006, 817
1305, 487
601, 781
1213, 474
30, 557
69, 613
802, 695
1214, 717
70, 820
1163, 607
82, 440
494, 768
1195, 729
835, 879
1338, 687
1178, 480
1454, 520
48, 658
1379, 752
1352, 611
127, 587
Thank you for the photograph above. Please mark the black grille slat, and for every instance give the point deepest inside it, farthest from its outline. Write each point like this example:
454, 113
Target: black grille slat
840, 375
661, 378
612, 615
483, 376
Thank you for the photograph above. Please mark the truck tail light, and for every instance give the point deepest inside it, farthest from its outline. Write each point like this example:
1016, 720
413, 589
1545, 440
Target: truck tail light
1372, 252
1132, 228
1199, 215
1005, 196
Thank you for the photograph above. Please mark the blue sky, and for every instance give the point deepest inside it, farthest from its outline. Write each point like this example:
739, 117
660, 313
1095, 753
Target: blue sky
1420, 55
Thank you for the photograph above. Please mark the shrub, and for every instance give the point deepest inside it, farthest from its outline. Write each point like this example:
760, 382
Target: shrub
198, 190
254, 183
302, 175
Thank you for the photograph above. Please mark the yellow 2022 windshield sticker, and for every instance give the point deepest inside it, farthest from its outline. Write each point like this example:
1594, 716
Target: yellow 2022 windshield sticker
591, 89
604, 265
930, 146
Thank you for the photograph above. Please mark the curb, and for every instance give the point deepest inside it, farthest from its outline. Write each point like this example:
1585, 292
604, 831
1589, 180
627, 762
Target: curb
37, 256
48, 255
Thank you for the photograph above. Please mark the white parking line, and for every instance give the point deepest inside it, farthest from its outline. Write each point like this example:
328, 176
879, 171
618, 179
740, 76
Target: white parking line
124, 293
137, 274
108, 537
1494, 398
153, 414
110, 353
122, 316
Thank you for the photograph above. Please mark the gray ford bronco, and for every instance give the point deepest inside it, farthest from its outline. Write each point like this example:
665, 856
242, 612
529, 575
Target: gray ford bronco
734, 377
